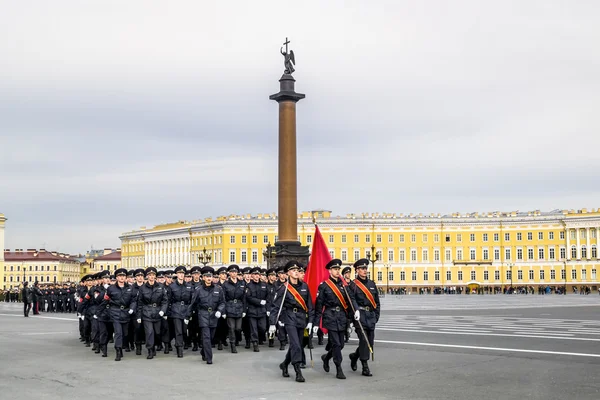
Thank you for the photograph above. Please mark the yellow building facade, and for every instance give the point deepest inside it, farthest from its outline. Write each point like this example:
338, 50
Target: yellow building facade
492, 250
2, 225
43, 266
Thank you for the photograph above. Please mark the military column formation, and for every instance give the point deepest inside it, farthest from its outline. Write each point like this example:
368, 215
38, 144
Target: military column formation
205, 308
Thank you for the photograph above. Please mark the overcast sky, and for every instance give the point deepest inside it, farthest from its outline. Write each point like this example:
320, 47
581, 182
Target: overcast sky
118, 114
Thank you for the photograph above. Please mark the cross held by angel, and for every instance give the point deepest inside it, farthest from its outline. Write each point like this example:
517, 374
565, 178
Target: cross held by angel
288, 58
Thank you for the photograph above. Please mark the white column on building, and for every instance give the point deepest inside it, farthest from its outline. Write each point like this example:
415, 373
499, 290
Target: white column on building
588, 249
146, 253
568, 252
577, 234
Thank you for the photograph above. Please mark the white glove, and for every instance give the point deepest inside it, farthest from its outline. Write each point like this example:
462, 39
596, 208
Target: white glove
130, 311
161, 313
315, 329
218, 314
268, 313
83, 317
95, 316
224, 316
139, 321
280, 323
349, 331
243, 314
186, 321
309, 326
271, 329
357, 315
263, 302
165, 317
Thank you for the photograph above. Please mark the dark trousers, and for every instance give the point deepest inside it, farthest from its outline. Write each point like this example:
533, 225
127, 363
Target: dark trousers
246, 328
363, 349
120, 333
281, 334
257, 328
81, 328
193, 329
221, 332
94, 329
138, 333
103, 332
336, 339
179, 328
164, 331
152, 330
36, 308
207, 335
87, 329
26, 309
295, 353
234, 324
130, 336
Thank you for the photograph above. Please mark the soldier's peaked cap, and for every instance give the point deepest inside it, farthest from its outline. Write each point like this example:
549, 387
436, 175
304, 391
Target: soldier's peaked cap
335, 263
362, 263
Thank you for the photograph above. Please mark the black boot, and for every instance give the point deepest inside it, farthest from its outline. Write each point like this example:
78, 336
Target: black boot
179, 351
119, 354
202, 354
325, 358
138, 349
159, 347
233, 349
104, 350
366, 371
320, 342
284, 370
127, 348
97, 351
150, 354
271, 342
87, 343
281, 346
94, 346
220, 346
299, 377
339, 374
166, 348
170, 347
195, 346
256, 349
186, 346
247, 346
353, 361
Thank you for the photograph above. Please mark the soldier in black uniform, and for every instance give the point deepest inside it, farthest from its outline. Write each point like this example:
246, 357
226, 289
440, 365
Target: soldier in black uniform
129, 342
36, 294
346, 277
26, 297
367, 306
193, 327
138, 327
53, 296
102, 315
180, 299
122, 304
281, 334
333, 305
257, 299
235, 304
246, 276
296, 315
164, 323
271, 279
209, 302
62, 298
169, 276
222, 330
82, 309
152, 303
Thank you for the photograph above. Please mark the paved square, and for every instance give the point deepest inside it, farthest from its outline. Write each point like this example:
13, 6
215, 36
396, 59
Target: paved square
427, 347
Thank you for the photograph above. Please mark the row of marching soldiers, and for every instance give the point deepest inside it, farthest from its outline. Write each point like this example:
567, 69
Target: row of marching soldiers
204, 305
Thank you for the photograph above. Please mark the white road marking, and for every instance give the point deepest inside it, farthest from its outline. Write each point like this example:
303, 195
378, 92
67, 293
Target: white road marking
38, 317
42, 333
503, 349
546, 336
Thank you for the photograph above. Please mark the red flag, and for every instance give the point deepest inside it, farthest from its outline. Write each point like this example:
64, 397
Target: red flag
316, 272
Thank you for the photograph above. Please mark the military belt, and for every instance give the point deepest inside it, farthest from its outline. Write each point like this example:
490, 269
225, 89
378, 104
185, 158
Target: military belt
209, 309
336, 308
122, 307
183, 303
366, 308
153, 304
235, 300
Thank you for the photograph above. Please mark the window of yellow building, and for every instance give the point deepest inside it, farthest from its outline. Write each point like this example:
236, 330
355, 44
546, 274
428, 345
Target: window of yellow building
485, 275
367, 238
390, 238
424, 238
496, 237
472, 237
331, 238
402, 238
459, 237
519, 236
343, 238
356, 238
378, 238
413, 238
460, 275
436, 238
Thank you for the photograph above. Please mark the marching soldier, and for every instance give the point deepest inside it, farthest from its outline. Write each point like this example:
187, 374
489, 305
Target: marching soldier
209, 302
138, 333
26, 297
346, 277
235, 304
122, 304
246, 275
152, 303
281, 280
102, 314
332, 305
180, 299
271, 279
295, 303
222, 331
368, 308
164, 338
257, 296
193, 328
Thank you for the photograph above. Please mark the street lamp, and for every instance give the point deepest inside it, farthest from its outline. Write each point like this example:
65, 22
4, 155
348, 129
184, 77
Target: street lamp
374, 258
565, 270
511, 265
204, 257
387, 285
269, 253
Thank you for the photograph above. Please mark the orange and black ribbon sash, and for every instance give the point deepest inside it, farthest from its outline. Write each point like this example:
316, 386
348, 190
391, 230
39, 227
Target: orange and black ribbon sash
297, 296
366, 292
337, 292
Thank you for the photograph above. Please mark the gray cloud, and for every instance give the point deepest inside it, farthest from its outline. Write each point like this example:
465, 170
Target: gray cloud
115, 115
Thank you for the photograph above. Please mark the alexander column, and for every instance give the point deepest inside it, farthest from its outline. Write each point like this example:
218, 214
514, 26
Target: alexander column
288, 247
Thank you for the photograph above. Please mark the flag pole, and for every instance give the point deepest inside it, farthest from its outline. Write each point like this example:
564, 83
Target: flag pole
358, 321
272, 336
